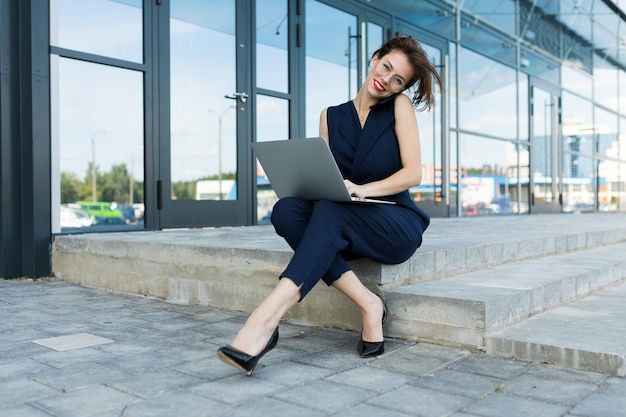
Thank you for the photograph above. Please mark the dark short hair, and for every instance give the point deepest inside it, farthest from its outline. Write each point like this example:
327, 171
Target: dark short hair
424, 71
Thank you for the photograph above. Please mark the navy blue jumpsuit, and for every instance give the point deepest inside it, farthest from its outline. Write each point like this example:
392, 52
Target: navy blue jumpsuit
325, 234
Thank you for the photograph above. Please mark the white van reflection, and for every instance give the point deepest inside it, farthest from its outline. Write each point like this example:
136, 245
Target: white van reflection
73, 215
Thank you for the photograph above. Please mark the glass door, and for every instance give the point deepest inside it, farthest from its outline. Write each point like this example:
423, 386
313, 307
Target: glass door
545, 178
204, 151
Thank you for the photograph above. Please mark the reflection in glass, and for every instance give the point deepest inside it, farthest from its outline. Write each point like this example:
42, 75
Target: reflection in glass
605, 77
478, 37
430, 138
374, 41
490, 176
272, 28
435, 16
577, 124
576, 80
487, 96
621, 202
608, 166
99, 141
203, 120
272, 123
523, 190
622, 97
499, 13
578, 183
606, 133
544, 190
331, 60
110, 28
609, 186
452, 85
539, 66
621, 145
454, 175
522, 98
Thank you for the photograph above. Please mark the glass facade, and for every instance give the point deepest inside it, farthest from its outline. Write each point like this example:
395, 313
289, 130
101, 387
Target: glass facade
152, 107
528, 122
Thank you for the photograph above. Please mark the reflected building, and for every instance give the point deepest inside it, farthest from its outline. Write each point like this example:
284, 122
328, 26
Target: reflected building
153, 106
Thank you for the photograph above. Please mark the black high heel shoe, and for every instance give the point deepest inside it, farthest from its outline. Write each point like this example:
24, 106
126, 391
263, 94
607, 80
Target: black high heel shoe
372, 349
243, 361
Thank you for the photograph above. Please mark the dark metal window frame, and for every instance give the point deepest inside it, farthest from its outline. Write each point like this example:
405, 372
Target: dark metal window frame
24, 139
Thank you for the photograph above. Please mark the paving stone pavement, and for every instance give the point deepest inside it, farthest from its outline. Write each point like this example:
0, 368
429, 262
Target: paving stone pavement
67, 350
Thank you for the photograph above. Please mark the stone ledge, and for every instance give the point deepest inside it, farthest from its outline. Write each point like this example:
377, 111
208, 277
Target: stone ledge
467, 306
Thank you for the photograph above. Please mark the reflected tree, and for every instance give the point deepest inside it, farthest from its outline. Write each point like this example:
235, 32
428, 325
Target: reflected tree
113, 186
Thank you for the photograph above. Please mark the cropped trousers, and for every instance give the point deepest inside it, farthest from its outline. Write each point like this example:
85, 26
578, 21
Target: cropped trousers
325, 235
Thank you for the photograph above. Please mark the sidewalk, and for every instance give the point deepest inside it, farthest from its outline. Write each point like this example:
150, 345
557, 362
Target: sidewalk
67, 350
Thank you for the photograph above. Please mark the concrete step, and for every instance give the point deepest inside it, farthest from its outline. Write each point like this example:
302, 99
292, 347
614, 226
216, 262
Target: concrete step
456, 246
589, 334
463, 309
451, 247
486, 272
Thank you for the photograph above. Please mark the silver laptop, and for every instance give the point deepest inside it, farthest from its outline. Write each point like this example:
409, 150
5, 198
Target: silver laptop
304, 168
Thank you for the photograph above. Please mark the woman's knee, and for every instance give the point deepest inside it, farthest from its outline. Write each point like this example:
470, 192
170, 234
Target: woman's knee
288, 210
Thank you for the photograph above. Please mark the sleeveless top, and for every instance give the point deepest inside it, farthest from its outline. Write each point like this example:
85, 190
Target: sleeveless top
370, 153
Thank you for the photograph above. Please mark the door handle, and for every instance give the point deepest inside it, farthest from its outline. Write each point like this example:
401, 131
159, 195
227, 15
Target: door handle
241, 96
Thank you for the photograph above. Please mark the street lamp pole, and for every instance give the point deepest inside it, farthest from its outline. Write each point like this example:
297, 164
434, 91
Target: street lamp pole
219, 145
93, 163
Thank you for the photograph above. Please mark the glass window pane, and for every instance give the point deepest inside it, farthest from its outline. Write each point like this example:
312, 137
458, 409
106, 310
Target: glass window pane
485, 41
578, 183
576, 81
622, 97
620, 187
543, 174
539, 66
520, 196
605, 84
609, 187
622, 140
374, 40
488, 96
452, 84
578, 129
430, 137
111, 28
606, 133
271, 45
272, 115
100, 145
203, 120
331, 60
435, 16
522, 97
489, 176
455, 175
499, 13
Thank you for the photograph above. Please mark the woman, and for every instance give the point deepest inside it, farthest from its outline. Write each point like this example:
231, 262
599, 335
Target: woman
375, 141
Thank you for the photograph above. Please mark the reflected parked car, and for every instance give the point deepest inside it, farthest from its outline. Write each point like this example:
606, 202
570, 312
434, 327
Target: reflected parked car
128, 212
104, 212
139, 210
73, 215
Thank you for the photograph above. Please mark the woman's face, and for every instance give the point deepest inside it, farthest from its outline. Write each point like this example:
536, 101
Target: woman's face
389, 74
